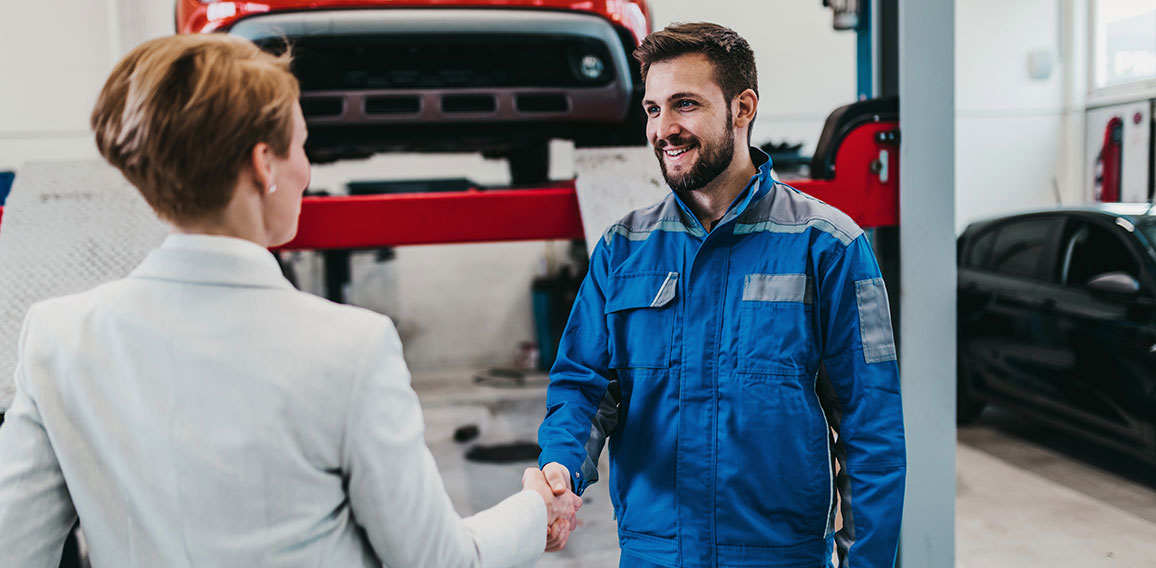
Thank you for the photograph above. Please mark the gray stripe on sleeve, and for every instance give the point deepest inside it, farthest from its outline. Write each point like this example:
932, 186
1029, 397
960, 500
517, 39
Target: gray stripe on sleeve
639, 224
875, 321
634, 234
778, 288
833, 412
602, 425
795, 228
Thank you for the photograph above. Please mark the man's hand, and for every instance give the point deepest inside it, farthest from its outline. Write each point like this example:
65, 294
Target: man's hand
561, 507
559, 478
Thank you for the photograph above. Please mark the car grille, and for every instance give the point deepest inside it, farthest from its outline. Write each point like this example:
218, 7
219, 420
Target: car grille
446, 62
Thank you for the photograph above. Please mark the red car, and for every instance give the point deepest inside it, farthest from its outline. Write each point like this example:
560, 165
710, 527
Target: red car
497, 76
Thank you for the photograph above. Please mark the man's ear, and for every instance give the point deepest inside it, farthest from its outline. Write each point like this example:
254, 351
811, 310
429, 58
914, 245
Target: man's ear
262, 165
744, 108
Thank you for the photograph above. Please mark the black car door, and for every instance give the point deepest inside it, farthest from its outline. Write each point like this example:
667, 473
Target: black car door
1105, 338
1000, 332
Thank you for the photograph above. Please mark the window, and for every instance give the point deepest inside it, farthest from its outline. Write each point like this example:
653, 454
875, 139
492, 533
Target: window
1090, 250
1148, 227
1019, 247
1124, 43
980, 252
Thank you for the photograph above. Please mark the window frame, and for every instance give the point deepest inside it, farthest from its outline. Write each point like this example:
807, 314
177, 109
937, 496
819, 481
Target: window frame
1110, 94
1122, 236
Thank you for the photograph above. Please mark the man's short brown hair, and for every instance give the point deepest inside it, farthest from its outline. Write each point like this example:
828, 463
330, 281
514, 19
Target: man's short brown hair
734, 62
180, 115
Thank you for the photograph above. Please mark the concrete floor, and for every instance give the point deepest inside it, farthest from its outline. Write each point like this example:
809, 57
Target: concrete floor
1027, 496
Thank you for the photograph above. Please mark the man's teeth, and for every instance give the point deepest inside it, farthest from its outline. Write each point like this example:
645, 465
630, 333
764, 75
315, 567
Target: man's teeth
673, 153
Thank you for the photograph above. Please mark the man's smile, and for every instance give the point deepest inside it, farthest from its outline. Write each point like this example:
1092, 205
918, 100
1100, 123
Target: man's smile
675, 154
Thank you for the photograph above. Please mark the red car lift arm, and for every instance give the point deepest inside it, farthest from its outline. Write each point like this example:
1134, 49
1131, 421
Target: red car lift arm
865, 185
374, 221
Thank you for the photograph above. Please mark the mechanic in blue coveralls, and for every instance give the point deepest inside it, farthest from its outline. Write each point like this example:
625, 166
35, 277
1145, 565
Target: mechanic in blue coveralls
697, 340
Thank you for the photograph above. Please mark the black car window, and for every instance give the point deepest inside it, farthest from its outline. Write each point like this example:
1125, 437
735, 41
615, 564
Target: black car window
980, 252
1019, 247
1148, 227
1090, 250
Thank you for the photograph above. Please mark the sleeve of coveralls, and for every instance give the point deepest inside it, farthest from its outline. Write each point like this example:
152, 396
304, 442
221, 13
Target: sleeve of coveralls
581, 403
860, 358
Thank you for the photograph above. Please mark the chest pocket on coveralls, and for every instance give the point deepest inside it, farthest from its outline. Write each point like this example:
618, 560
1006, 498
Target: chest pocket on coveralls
640, 318
775, 315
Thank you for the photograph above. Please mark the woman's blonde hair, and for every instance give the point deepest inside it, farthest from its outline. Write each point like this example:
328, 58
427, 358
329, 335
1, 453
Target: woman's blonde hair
180, 115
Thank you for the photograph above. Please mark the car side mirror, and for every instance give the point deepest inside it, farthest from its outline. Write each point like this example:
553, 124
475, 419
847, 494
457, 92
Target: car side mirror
1115, 284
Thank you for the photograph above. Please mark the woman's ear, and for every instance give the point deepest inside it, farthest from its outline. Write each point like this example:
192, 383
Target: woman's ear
262, 166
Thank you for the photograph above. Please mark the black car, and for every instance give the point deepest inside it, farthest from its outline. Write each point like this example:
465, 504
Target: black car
1057, 320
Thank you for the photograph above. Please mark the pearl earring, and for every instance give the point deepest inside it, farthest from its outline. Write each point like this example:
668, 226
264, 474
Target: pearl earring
273, 188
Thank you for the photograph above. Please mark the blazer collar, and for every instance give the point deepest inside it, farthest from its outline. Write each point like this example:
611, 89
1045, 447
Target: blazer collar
208, 259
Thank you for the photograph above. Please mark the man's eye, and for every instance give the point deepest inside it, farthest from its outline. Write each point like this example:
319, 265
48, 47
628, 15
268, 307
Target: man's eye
685, 104
652, 110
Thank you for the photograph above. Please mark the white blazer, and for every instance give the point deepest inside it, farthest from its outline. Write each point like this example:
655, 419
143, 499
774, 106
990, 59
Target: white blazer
202, 412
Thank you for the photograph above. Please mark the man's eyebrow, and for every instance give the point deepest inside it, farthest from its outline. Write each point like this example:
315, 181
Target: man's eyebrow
676, 96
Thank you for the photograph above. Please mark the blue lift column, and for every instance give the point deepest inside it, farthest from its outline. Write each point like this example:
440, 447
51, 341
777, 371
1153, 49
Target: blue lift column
865, 51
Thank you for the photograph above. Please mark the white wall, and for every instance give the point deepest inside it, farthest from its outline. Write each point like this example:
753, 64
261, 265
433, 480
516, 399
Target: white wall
48, 82
1012, 131
54, 57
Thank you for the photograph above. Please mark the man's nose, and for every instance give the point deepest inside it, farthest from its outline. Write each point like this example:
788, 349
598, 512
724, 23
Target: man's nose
666, 127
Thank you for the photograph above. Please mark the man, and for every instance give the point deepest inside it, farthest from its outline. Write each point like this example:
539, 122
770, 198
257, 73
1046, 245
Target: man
719, 338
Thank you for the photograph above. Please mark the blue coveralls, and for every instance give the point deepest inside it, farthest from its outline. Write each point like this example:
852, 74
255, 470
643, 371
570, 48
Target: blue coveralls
698, 355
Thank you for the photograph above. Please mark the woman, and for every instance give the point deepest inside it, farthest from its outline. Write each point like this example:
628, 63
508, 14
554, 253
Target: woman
202, 412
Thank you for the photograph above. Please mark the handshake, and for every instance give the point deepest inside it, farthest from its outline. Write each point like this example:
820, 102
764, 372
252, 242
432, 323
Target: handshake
553, 484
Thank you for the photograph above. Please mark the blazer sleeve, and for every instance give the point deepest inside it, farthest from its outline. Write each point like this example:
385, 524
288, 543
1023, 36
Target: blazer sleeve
864, 405
36, 512
396, 492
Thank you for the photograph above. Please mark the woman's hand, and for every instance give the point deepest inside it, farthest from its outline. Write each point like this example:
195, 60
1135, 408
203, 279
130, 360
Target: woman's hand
561, 508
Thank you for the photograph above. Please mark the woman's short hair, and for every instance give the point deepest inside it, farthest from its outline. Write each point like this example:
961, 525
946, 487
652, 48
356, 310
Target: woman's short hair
180, 115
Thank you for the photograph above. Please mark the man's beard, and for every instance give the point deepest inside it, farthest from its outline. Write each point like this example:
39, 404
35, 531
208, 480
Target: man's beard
712, 162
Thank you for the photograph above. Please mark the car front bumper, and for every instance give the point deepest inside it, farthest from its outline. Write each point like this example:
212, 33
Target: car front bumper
427, 66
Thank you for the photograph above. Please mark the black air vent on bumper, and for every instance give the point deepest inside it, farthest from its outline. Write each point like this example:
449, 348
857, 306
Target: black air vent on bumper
542, 103
317, 107
469, 104
393, 105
